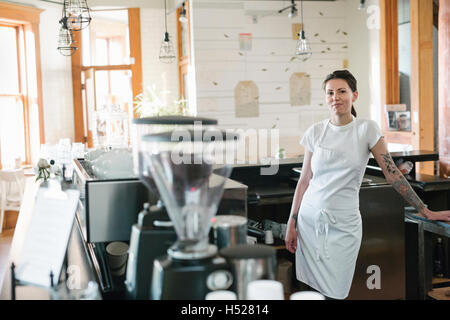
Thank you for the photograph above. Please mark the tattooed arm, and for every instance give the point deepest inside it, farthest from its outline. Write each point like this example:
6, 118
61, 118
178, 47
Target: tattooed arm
399, 182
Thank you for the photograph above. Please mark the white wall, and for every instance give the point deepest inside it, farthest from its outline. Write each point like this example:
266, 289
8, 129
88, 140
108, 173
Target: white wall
364, 56
219, 66
56, 80
163, 76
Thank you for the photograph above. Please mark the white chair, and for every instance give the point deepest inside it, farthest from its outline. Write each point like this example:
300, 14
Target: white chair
12, 183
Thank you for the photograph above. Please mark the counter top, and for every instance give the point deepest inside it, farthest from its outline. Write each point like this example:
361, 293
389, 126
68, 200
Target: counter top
286, 161
413, 156
428, 182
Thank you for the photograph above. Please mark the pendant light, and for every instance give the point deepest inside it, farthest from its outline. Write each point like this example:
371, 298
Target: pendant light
362, 5
303, 49
66, 44
77, 13
183, 18
166, 52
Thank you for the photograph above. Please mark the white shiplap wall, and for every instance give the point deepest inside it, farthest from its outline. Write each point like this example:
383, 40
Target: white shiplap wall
163, 76
220, 65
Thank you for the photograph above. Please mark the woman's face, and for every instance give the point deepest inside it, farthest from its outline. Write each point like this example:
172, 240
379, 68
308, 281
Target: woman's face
339, 96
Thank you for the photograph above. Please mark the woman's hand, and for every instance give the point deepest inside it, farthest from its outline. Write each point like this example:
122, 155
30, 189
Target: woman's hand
291, 236
437, 215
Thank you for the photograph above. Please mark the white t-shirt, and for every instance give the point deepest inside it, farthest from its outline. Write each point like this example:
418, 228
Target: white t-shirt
337, 189
341, 138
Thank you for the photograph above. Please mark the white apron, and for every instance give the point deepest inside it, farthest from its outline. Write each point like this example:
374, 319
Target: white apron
329, 222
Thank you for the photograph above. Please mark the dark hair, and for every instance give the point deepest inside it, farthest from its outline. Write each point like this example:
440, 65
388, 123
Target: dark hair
344, 75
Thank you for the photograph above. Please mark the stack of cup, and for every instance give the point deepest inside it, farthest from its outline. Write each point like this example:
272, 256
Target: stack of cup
307, 295
221, 295
268, 237
265, 290
117, 257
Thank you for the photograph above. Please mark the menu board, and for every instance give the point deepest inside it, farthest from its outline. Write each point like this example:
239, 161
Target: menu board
47, 237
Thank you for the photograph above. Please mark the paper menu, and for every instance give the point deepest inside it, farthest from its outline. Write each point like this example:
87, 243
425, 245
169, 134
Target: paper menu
47, 237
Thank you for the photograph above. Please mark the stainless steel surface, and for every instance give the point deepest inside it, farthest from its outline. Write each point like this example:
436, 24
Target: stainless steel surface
229, 230
249, 266
180, 254
107, 208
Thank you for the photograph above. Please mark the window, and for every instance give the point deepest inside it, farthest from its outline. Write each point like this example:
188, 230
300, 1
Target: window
110, 73
21, 118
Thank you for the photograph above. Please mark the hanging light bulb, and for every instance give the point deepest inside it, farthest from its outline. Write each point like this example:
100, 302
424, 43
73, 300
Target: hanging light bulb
166, 52
183, 18
293, 12
77, 13
66, 44
303, 49
362, 5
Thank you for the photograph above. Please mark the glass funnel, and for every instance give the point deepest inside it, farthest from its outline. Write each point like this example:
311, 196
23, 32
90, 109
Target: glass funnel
151, 125
190, 169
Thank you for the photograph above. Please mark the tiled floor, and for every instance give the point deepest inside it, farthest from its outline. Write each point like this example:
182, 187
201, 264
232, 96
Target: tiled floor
5, 244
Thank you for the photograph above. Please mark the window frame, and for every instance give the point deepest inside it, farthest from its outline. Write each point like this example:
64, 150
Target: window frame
27, 19
183, 61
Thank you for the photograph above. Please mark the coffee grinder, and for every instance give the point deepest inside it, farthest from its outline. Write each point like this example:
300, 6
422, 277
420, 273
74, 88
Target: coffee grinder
153, 233
189, 168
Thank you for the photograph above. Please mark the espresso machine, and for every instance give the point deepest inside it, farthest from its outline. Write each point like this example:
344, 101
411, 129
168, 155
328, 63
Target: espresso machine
130, 209
189, 168
154, 232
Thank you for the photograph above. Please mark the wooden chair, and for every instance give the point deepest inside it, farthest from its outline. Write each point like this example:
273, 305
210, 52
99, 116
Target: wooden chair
12, 184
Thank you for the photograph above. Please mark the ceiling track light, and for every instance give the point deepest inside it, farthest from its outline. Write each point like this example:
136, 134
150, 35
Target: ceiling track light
362, 5
292, 12
183, 17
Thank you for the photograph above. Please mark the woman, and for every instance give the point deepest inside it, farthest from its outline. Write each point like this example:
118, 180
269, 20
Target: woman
326, 233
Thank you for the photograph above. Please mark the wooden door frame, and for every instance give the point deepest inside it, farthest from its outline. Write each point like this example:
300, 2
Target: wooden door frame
183, 61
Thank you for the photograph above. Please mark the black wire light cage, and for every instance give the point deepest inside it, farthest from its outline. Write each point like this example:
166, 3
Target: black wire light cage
66, 44
77, 14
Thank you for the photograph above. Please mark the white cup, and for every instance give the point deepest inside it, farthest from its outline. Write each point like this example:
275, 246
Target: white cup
268, 238
306, 295
117, 257
265, 290
221, 295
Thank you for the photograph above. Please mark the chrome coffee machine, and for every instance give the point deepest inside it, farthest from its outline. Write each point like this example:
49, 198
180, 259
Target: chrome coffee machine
189, 168
154, 232
128, 209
